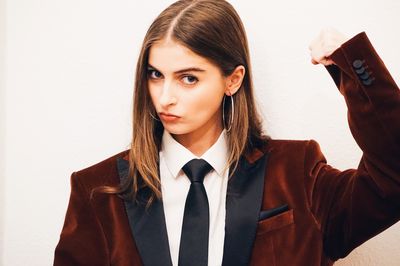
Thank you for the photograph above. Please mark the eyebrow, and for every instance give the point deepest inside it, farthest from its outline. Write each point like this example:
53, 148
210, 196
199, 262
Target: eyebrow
189, 69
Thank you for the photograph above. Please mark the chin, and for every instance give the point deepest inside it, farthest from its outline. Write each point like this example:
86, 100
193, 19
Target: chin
181, 129
177, 130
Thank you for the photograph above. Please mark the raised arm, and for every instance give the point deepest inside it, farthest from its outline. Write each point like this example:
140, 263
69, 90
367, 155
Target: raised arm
355, 205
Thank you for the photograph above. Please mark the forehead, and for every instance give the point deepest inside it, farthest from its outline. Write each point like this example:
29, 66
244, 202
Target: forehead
171, 56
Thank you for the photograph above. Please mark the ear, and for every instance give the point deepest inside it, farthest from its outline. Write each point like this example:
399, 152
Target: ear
234, 80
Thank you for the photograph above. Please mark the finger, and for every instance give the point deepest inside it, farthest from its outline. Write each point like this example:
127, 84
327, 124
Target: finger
320, 52
323, 61
317, 55
326, 61
329, 62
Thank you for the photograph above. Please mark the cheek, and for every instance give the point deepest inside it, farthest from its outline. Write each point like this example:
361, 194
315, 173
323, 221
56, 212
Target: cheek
205, 103
153, 93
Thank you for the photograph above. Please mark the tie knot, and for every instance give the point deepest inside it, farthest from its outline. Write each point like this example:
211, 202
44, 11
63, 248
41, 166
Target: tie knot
196, 170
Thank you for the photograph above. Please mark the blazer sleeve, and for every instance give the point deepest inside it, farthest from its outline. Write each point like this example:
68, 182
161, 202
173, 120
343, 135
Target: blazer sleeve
352, 206
82, 241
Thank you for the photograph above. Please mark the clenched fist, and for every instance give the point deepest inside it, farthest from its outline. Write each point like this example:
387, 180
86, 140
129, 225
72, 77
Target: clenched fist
324, 45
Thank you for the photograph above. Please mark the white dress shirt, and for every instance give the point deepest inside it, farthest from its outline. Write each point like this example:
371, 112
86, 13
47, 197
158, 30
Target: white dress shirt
175, 187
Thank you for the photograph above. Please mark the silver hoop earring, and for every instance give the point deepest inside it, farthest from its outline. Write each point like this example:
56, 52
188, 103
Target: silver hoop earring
232, 113
152, 116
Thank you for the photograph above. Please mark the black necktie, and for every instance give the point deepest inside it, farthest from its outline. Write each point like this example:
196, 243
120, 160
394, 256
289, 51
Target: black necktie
193, 249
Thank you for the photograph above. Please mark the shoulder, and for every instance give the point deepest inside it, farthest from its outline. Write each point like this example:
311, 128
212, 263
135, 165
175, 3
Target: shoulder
103, 173
289, 145
293, 160
291, 149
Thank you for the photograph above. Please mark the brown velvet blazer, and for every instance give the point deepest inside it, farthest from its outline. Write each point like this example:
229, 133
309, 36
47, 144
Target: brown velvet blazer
285, 205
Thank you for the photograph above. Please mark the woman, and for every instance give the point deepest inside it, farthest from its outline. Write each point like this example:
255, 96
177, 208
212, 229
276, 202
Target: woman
259, 201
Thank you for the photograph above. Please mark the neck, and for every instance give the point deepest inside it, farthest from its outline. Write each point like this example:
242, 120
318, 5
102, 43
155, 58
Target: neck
200, 141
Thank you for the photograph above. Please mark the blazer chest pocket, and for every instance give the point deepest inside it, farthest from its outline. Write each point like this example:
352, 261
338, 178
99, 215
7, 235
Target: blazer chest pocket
274, 219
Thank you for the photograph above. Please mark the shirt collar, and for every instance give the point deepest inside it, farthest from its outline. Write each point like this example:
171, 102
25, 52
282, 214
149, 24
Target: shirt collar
176, 155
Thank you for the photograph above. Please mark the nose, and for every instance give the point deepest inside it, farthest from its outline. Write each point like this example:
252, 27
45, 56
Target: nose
167, 96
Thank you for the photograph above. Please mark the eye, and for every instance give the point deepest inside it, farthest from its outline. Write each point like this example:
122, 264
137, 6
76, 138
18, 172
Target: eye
154, 74
189, 80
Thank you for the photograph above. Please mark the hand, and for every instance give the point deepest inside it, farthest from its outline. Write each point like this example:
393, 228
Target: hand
324, 45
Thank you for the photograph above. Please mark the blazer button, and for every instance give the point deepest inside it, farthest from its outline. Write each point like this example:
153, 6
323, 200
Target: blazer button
357, 63
364, 76
361, 70
367, 82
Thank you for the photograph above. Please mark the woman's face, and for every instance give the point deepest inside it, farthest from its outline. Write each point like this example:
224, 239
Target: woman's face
186, 90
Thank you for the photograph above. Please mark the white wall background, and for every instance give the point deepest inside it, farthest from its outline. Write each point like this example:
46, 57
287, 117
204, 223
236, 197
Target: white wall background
65, 99
2, 120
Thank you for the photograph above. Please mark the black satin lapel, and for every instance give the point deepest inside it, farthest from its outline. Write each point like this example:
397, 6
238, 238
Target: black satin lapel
147, 226
243, 205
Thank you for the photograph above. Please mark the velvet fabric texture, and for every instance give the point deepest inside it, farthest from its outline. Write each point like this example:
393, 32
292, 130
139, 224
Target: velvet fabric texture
285, 204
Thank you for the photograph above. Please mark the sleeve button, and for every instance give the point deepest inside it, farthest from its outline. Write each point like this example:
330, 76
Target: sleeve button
357, 63
360, 71
367, 82
364, 76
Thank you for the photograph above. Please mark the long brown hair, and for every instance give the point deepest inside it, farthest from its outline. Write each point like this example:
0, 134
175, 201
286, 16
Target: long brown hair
213, 30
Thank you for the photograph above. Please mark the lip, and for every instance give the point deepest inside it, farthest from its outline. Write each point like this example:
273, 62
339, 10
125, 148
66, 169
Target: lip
168, 117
